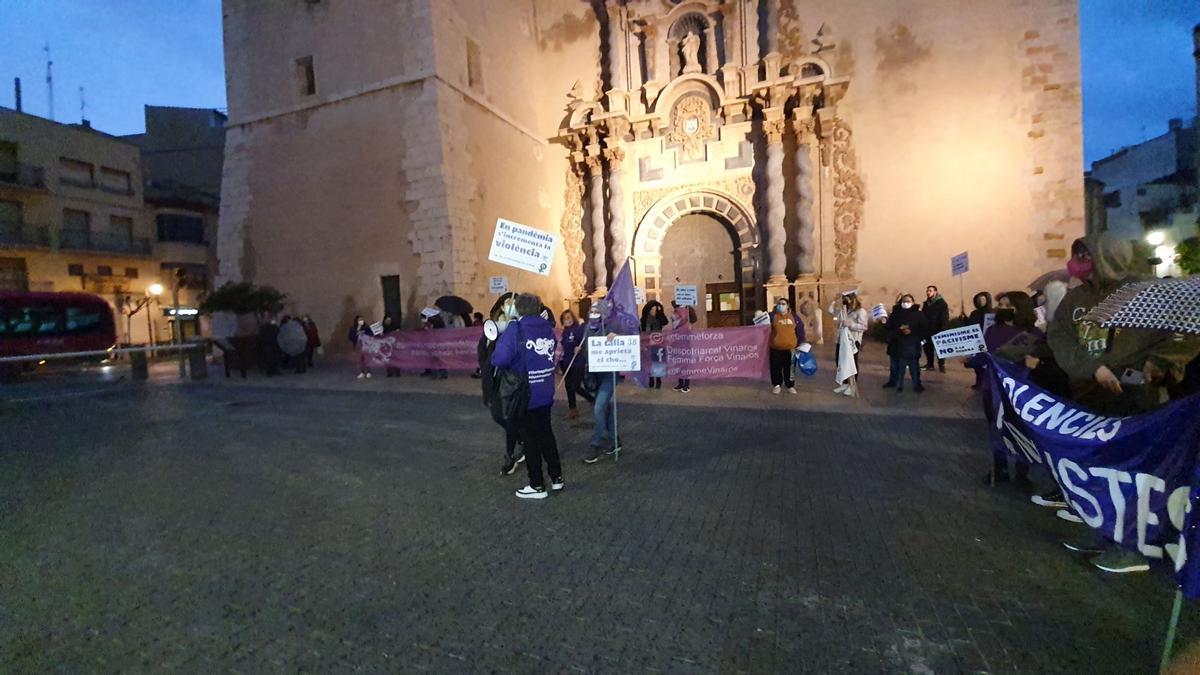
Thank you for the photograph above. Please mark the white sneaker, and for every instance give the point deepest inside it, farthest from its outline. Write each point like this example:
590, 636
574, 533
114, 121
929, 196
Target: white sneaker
841, 388
1068, 516
556, 485
368, 376
361, 375
848, 391
776, 389
531, 493
792, 390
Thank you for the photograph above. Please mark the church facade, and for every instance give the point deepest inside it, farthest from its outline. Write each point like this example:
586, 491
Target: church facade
752, 148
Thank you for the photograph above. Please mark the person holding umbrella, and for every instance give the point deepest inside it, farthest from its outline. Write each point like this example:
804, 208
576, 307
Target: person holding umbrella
293, 341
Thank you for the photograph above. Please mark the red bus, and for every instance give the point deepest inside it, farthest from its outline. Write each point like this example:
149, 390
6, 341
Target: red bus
54, 323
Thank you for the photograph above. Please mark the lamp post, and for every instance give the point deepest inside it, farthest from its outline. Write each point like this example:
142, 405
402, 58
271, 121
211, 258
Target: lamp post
180, 280
153, 291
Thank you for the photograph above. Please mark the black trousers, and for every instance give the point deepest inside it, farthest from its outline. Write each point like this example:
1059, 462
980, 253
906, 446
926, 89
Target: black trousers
930, 353
573, 377
781, 368
535, 430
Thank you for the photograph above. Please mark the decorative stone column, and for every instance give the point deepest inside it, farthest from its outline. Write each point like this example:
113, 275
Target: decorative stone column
772, 27
616, 44
619, 247
805, 192
599, 259
571, 228
773, 127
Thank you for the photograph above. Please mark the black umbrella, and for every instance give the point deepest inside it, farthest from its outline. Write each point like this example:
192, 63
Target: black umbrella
1167, 305
454, 305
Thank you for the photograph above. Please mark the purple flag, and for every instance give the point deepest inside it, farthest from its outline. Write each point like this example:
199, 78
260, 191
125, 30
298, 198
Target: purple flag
622, 316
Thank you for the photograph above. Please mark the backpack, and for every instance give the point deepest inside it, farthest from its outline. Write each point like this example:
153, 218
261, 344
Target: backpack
513, 389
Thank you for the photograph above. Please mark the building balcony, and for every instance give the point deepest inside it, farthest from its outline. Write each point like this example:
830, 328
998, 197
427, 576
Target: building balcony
106, 242
23, 176
24, 235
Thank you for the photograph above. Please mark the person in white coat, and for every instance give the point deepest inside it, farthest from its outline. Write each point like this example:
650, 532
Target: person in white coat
851, 318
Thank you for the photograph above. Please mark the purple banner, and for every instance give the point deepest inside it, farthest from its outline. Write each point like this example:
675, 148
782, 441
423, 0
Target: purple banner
713, 354
446, 348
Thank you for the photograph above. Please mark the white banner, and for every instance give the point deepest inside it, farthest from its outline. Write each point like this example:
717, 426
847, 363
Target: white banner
685, 295
497, 285
639, 296
965, 341
522, 247
621, 354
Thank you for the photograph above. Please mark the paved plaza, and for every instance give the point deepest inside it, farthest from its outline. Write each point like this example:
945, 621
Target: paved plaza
238, 526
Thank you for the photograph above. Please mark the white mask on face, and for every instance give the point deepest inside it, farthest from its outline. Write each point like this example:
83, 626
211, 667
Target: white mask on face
511, 310
906, 305
501, 323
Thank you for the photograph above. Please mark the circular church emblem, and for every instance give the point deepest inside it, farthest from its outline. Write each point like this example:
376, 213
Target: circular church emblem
691, 125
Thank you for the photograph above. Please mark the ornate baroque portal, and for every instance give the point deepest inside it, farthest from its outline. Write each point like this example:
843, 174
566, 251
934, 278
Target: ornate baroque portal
692, 119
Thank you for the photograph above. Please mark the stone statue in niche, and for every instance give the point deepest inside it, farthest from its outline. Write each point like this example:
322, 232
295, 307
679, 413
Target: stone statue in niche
691, 53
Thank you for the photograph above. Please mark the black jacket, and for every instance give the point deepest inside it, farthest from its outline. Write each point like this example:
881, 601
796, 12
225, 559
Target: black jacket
905, 346
937, 315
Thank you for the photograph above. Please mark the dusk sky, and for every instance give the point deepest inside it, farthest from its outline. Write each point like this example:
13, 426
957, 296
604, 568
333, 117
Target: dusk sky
1138, 69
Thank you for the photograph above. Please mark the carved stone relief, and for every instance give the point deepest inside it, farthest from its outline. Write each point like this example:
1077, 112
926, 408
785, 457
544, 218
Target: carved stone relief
742, 189
691, 126
571, 229
848, 198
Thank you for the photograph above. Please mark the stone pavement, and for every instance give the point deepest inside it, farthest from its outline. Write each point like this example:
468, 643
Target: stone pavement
268, 529
946, 394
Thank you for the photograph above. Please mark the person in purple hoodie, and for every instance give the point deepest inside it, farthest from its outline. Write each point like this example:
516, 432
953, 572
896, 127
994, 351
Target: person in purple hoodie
528, 347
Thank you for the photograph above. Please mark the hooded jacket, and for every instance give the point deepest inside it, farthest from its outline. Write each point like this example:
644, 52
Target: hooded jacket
527, 346
1080, 347
900, 345
978, 314
937, 315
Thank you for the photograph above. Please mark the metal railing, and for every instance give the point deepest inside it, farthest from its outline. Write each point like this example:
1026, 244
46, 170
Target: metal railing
23, 175
24, 235
109, 242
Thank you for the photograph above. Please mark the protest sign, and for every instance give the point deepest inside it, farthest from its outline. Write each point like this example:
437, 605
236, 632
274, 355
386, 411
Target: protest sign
1131, 478
959, 264
965, 341
522, 247
879, 313
623, 353
989, 320
497, 285
763, 319
446, 349
716, 353
639, 296
685, 295
377, 328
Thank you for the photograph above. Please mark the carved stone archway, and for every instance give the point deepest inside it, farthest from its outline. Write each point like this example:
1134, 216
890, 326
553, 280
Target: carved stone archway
735, 216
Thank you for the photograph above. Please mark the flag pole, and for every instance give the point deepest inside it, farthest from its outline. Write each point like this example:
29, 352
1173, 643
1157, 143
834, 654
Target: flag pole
1170, 641
616, 436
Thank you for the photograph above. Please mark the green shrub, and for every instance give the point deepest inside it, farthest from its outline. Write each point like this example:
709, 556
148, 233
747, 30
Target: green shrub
1188, 255
243, 298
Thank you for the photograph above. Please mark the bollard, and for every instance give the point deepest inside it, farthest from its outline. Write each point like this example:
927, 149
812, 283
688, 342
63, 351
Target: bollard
138, 368
198, 363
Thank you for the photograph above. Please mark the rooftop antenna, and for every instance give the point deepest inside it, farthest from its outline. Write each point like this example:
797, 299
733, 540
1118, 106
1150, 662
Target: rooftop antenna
17, 92
49, 80
82, 107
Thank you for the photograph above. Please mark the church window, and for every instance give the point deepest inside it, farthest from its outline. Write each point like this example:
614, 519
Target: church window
474, 65
306, 77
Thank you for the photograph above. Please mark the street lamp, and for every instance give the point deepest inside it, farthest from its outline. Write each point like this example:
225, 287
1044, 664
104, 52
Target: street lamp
153, 291
1156, 238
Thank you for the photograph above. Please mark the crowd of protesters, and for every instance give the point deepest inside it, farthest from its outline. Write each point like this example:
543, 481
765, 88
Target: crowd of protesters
287, 343
1116, 372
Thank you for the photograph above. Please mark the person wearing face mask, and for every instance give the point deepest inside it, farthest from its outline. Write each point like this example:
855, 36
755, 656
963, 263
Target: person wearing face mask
1117, 371
489, 384
654, 319
604, 433
682, 318
905, 329
527, 347
569, 364
787, 332
937, 317
357, 330
1012, 337
983, 307
851, 317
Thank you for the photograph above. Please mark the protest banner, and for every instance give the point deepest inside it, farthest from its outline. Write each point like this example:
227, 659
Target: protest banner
621, 354
444, 349
522, 247
716, 353
497, 285
686, 295
1131, 478
965, 341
